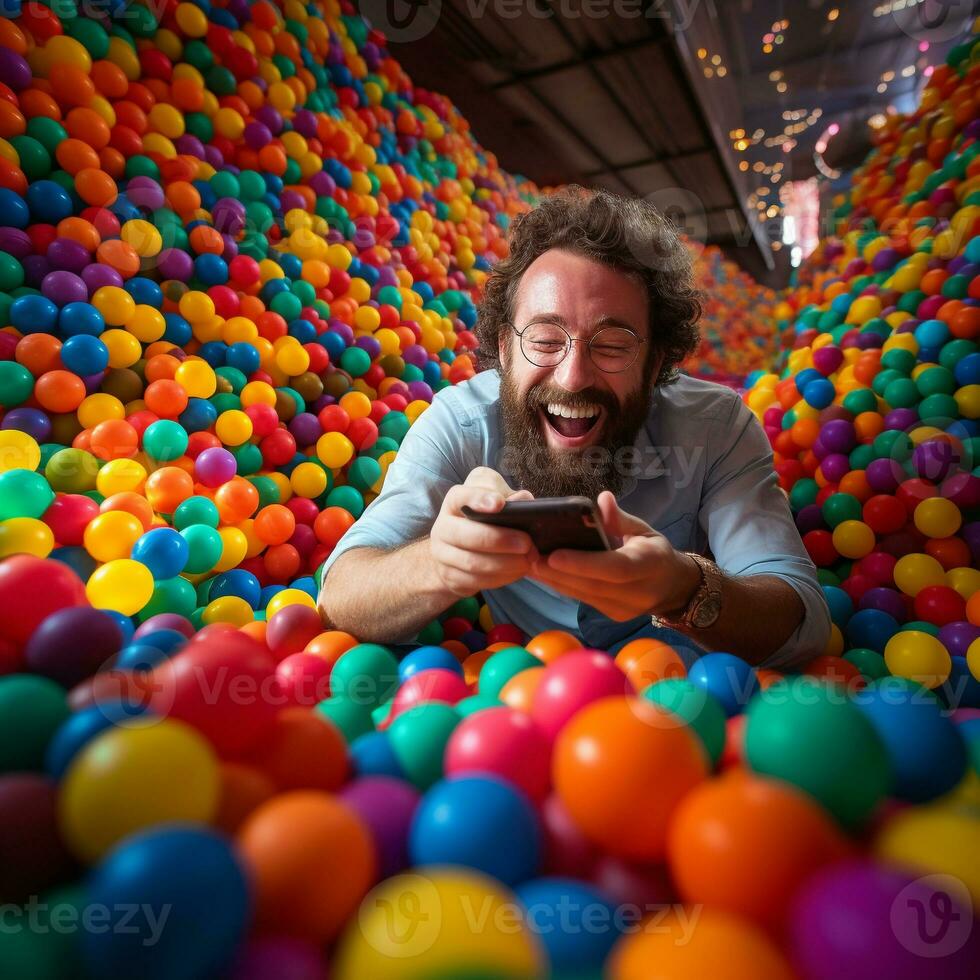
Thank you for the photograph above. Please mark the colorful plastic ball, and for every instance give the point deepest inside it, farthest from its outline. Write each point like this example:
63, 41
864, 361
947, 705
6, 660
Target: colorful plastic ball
860, 919
429, 686
427, 658
165, 440
164, 552
120, 584
311, 861
33, 588
366, 673
350, 718
23, 494
727, 678
418, 739
502, 666
416, 925
84, 355
695, 707
290, 629
372, 755
504, 743
72, 644
19, 450
204, 547
802, 731
620, 767
194, 873
478, 822
387, 807
919, 657
31, 710
129, 778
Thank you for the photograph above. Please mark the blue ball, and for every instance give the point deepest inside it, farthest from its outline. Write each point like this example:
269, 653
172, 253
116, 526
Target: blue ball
211, 269
165, 640
77, 559
49, 202
84, 354
372, 755
820, 393
961, 689
199, 415
140, 656
76, 731
928, 755
727, 677
871, 628
125, 623
243, 356
191, 872
479, 822
145, 291
33, 314
13, 209
164, 552
80, 318
576, 923
967, 370
237, 582
178, 330
428, 658
931, 333
840, 603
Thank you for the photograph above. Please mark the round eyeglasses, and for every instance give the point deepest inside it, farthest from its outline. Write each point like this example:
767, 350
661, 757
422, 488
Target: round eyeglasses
612, 349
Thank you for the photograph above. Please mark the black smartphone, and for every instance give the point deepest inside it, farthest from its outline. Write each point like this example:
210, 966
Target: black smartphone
552, 522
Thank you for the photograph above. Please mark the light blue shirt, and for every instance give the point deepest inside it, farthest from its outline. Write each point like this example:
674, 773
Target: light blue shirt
702, 474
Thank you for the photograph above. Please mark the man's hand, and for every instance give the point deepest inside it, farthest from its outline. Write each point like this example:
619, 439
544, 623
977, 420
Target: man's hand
644, 574
469, 556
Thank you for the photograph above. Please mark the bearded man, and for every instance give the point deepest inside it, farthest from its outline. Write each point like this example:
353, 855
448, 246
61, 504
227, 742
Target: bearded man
581, 332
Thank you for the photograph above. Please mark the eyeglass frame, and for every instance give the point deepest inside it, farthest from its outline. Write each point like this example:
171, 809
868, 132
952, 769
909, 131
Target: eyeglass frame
579, 340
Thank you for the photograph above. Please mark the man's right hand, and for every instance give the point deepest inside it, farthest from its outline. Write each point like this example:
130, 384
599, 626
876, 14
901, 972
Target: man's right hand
470, 556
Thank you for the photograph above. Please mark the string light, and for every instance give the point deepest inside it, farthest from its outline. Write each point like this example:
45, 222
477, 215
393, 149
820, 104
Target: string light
833, 14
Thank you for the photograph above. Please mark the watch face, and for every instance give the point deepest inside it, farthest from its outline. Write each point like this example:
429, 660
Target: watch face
706, 613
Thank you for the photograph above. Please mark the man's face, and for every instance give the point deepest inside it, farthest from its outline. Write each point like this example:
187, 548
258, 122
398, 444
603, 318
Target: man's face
547, 452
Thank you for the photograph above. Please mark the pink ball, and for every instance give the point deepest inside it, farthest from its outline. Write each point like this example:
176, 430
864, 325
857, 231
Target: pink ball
215, 466
572, 682
505, 743
281, 957
291, 628
69, 515
429, 685
304, 678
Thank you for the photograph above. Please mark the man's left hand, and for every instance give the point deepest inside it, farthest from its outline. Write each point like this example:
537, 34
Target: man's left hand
643, 575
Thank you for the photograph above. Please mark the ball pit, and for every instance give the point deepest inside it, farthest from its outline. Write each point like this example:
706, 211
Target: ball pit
239, 254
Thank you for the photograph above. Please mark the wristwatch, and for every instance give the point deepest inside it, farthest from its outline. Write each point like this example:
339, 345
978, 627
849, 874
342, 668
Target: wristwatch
704, 607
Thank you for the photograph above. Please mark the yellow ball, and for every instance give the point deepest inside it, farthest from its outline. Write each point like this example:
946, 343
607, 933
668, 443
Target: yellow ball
197, 378
308, 480
123, 585
966, 581
234, 548
292, 359
853, 539
356, 404
418, 925
147, 324
973, 658
228, 609
288, 597
140, 774
367, 318
25, 536
192, 21
257, 393
196, 306
124, 349
143, 237
99, 407
919, 657
112, 535
233, 427
968, 401
937, 517
914, 572
115, 305
120, 476
18, 451
334, 449
229, 123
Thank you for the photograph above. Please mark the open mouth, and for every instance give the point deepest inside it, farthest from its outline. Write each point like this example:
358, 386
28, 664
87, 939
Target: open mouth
572, 424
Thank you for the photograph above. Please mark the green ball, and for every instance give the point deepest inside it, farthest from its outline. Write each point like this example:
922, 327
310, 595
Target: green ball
808, 733
694, 706
384, 444
367, 674
418, 739
267, 488
502, 666
840, 507
363, 473
205, 546
196, 510
474, 703
861, 400
24, 493
432, 634
48, 132
901, 393
16, 382
355, 360
869, 662
468, 609
31, 709
35, 160
803, 494
351, 719
347, 497
165, 440
170, 595
72, 471
394, 425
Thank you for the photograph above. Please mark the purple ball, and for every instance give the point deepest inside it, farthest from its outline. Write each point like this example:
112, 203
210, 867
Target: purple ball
98, 275
14, 70
174, 263
963, 489
215, 466
934, 459
305, 428
16, 242
343, 330
279, 957
228, 215
838, 436
257, 135
971, 535
214, 156
885, 259
36, 267
64, 253
415, 354
64, 287
190, 146
858, 920
870, 340
901, 418
145, 192
810, 518
957, 637
835, 467
420, 391
33, 421
322, 184
270, 118
884, 475
885, 600
386, 806
304, 122
291, 200
72, 644
164, 621
231, 247
370, 344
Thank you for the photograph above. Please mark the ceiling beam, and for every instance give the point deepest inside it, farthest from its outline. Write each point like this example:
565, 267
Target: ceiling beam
650, 160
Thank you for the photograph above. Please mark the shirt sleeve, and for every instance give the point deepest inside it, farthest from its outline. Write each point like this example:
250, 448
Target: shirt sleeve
751, 531
427, 464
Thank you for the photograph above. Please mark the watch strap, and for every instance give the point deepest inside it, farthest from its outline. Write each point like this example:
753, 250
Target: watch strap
710, 588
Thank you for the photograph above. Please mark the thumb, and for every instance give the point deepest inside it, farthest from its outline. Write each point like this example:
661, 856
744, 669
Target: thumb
521, 495
616, 521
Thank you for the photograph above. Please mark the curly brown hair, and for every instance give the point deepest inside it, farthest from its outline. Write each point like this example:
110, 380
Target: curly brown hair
628, 234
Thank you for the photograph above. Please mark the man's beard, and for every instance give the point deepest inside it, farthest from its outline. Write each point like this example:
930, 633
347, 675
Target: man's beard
529, 463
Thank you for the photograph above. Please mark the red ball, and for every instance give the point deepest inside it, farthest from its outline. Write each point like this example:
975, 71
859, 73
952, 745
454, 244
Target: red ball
363, 433
913, 492
505, 633
884, 514
444, 686
33, 588
939, 604
68, 516
278, 448
820, 547
264, 419
304, 678
291, 629
333, 418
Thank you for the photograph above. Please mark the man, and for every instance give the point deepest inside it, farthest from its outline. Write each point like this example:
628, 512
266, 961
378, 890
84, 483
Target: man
583, 326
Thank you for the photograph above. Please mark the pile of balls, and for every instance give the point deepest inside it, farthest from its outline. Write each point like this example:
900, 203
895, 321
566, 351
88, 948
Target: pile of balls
239, 254
739, 322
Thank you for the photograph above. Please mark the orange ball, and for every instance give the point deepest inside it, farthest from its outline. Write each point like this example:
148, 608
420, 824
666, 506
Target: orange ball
745, 843
331, 644
243, 789
620, 767
551, 644
96, 187
75, 156
311, 860
70, 85
39, 352
275, 524
236, 500
518, 692
473, 664
114, 439
120, 256
132, 503
165, 398
646, 661
304, 750
88, 126
167, 488
59, 391
692, 944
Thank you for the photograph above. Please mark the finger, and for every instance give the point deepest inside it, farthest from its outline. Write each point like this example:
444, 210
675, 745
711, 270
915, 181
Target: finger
469, 535
495, 567
488, 479
608, 604
604, 566
609, 512
521, 495
583, 586
478, 498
